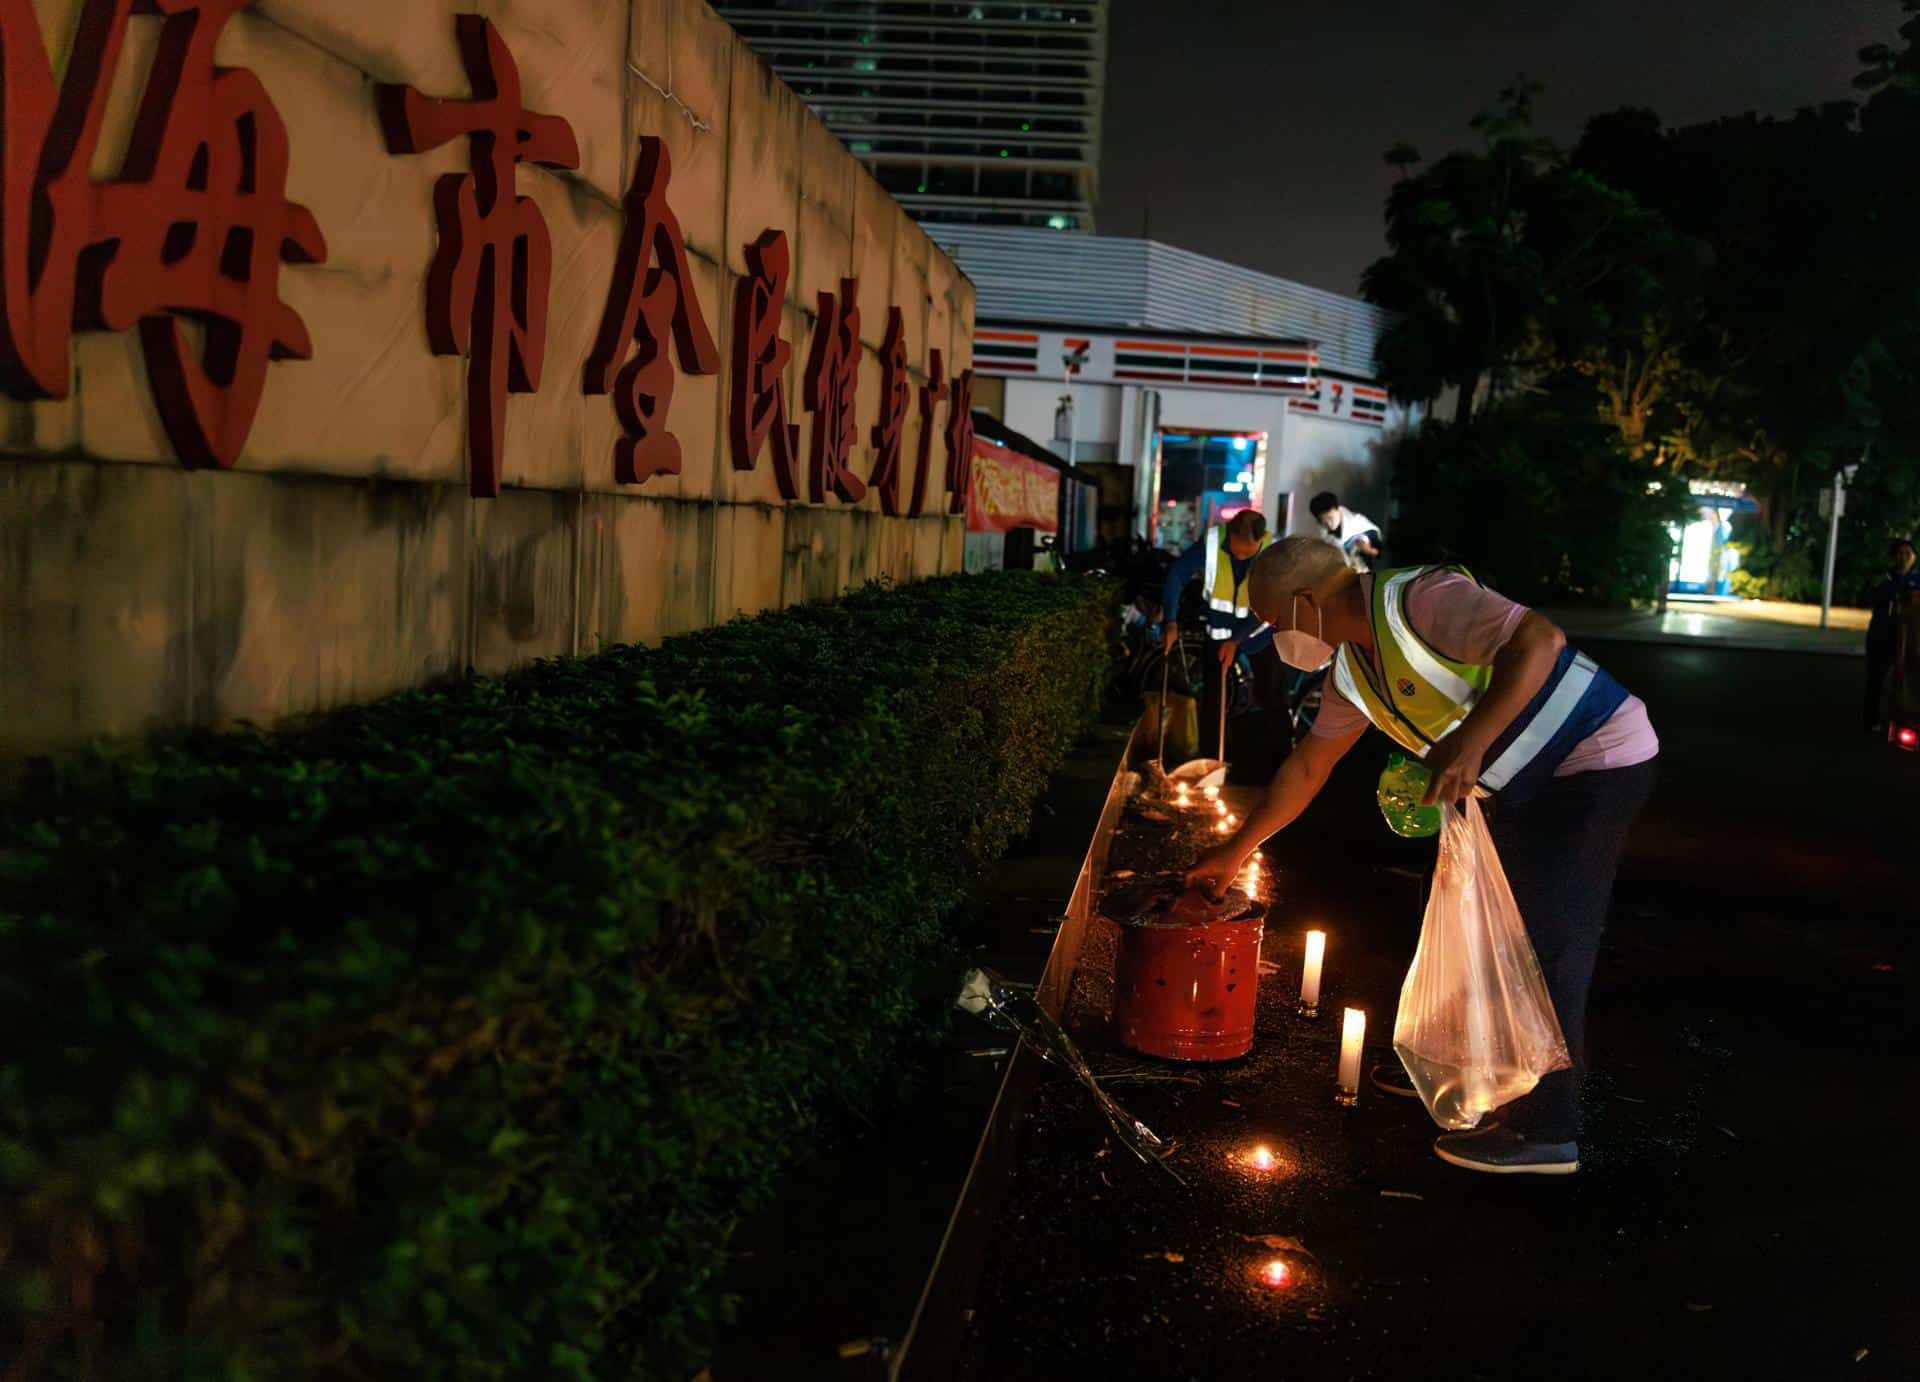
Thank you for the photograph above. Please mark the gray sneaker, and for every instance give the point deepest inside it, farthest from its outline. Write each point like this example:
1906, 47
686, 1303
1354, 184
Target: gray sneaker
1505, 1152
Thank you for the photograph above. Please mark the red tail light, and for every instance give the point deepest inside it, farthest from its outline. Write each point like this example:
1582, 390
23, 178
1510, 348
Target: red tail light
1906, 736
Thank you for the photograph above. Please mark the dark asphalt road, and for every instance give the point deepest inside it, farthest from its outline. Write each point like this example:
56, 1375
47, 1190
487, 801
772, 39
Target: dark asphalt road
1745, 1203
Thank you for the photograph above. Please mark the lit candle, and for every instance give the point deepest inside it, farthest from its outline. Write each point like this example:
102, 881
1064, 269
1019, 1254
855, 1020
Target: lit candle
1353, 1033
1276, 1273
1223, 828
1220, 807
1233, 820
1310, 975
1211, 791
1260, 1159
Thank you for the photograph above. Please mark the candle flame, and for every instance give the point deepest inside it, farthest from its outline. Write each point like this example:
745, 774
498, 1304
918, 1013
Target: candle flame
1220, 807
1275, 1272
1211, 791
1261, 1159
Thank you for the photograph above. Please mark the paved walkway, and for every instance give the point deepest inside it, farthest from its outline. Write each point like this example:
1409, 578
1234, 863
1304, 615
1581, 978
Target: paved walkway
1754, 989
1761, 625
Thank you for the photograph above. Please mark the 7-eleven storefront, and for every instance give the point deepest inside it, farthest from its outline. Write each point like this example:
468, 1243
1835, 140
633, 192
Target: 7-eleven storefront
1193, 388
1205, 426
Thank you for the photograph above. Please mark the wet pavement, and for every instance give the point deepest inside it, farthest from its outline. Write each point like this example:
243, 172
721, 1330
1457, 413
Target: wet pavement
1744, 1197
1762, 625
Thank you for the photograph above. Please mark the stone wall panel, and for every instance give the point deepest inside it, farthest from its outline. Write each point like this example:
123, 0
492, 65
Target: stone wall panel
310, 593
342, 558
94, 637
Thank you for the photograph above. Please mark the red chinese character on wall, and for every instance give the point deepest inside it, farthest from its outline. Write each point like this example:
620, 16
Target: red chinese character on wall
833, 371
890, 431
759, 403
931, 393
196, 226
652, 296
960, 441
488, 284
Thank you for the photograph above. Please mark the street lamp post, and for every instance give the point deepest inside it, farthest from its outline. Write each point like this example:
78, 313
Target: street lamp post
1835, 507
1073, 359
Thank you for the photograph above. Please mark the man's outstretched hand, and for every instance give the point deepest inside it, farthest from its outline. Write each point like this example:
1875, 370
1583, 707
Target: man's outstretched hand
1215, 870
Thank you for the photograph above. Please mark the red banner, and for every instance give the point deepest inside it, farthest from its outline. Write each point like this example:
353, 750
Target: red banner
1011, 491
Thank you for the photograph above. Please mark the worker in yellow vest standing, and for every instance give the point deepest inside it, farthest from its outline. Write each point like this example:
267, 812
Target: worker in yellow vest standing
1221, 562
1489, 694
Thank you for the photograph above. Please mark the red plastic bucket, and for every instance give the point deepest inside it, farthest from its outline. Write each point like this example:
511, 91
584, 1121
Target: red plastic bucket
1186, 992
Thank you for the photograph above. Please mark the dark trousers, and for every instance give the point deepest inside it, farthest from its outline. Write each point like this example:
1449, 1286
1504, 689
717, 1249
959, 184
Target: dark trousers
1561, 849
1879, 664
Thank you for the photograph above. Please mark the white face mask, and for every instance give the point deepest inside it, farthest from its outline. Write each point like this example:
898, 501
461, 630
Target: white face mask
1298, 648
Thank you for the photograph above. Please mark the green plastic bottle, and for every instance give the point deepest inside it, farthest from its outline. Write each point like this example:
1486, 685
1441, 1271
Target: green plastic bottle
1402, 785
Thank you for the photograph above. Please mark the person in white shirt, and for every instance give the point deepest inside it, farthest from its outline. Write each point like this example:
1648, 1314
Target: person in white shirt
1356, 534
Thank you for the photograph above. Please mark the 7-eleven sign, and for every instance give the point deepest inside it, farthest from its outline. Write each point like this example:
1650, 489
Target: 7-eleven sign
1077, 350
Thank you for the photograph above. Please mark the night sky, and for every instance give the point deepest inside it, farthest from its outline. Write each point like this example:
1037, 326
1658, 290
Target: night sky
1252, 129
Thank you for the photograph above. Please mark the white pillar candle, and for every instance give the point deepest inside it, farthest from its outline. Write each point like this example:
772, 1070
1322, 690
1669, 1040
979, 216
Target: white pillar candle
1310, 974
1353, 1035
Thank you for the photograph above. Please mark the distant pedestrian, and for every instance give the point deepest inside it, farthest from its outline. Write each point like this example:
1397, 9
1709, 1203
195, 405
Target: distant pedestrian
1887, 600
1357, 535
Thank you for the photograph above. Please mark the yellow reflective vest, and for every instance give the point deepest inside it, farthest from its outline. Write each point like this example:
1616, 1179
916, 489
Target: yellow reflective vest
1226, 597
1418, 695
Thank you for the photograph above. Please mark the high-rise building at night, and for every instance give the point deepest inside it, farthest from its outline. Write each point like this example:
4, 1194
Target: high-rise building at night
985, 113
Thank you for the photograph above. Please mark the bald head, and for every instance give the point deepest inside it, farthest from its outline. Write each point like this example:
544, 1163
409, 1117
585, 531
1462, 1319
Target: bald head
1291, 565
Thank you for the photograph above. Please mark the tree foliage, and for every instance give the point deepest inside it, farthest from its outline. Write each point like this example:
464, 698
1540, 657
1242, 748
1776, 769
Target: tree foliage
1738, 299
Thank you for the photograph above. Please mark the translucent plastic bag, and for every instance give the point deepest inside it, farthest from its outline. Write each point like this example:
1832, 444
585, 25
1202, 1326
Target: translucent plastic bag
1476, 1027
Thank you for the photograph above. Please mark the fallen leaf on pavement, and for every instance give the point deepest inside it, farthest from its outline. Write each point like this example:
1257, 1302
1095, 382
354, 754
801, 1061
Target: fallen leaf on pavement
1697, 1307
1278, 1242
1400, 1195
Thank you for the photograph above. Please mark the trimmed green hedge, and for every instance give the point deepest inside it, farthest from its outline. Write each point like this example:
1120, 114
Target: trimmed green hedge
447, 1037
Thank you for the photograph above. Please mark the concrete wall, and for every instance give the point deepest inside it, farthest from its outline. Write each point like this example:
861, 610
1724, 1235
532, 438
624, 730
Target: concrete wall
342, 557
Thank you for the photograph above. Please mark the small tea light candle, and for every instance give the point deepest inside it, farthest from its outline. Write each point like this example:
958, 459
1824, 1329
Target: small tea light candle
1310, 974
1262, 1159
1219, 807
1211, 791
1353, 1034
1276, 1273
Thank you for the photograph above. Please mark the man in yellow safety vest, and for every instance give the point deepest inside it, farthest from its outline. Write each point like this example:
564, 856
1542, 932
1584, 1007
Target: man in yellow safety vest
1221, 561
1489, 694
